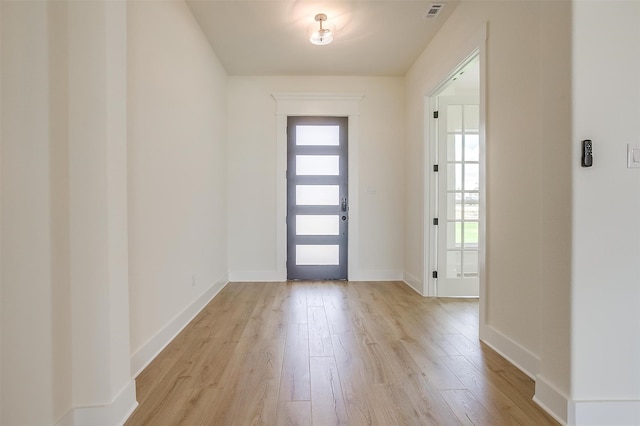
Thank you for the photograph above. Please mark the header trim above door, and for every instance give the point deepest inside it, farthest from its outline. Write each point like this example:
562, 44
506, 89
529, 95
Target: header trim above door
329, 104
317, 104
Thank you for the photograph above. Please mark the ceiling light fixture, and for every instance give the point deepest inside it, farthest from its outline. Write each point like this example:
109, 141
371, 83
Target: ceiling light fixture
322, 35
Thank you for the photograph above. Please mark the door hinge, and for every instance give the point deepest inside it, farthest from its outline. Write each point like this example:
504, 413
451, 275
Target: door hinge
434, 274
435, 114
435, 221
435, 167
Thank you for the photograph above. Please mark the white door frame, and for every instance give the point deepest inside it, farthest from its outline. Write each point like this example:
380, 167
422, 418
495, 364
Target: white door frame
317, 104
430, 142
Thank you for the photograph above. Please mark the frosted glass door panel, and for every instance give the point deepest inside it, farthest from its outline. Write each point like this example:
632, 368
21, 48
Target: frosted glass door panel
318, 135
317, 225
317, 255
317, 195
321, 165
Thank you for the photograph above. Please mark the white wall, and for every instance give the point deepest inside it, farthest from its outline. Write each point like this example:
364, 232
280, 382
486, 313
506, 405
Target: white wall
512, 120
177, 172
65, 222
606, 230
65, 339
252, 166
555, 161
36, 332
103, 390
563, 292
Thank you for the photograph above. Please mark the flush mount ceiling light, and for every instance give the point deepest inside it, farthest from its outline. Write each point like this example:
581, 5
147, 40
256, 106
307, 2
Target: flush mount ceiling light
322, 35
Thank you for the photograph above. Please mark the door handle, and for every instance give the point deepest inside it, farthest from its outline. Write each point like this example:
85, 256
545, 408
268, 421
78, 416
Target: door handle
344, 204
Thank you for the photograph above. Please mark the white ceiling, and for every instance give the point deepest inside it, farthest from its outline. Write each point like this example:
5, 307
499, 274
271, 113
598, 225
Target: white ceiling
263, 37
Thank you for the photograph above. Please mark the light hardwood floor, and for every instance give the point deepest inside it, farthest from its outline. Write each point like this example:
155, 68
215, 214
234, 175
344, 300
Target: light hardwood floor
331, 353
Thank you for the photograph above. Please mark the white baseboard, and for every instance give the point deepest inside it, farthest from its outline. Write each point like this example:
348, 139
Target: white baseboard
413, 282
610, 413
112, 414
551, 400
66, 420
412, 288
275, 276
143, 356
515, 353
256, 276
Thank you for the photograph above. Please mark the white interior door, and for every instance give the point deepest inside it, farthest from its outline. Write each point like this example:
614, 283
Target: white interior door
458, 215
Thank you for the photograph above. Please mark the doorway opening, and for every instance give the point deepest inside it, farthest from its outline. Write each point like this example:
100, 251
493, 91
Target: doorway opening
455, 215
317, 198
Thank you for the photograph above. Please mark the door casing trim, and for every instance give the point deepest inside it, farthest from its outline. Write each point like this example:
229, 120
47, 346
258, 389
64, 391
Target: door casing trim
317, 104
477, 46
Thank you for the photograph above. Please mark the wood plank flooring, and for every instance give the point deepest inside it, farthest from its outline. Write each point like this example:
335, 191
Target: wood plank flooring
333, 353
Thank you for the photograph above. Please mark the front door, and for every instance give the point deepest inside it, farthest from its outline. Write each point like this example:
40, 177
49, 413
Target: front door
317, 203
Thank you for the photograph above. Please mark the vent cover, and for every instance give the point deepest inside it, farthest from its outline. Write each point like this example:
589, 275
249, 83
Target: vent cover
433, 10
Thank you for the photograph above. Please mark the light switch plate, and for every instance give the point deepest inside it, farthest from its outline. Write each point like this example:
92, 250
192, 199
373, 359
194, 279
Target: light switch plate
633, 156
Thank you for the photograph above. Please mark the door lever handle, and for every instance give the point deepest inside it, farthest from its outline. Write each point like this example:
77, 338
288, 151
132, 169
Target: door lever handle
344, 204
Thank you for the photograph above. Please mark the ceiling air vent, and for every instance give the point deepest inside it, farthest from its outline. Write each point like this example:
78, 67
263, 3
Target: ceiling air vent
433, 10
